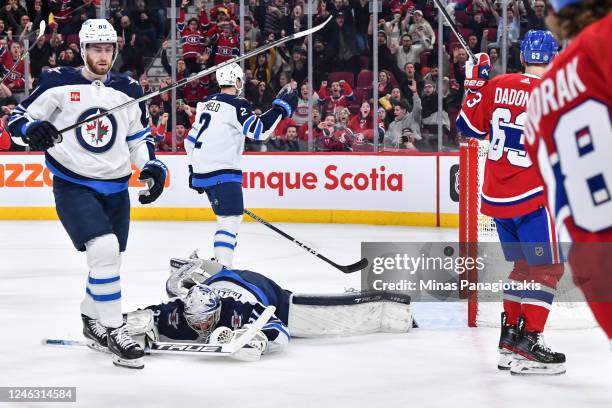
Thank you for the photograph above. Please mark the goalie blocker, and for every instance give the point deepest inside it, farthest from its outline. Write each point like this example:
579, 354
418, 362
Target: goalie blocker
306, 315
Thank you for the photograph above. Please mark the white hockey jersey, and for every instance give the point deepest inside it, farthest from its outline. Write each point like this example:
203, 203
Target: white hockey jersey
216, 141
99, 153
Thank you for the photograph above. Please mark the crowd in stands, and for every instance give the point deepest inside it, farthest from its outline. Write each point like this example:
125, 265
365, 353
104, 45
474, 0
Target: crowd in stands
342, 97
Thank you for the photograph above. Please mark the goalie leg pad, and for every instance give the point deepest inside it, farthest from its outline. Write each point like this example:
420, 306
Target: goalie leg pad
103, 295
348, 314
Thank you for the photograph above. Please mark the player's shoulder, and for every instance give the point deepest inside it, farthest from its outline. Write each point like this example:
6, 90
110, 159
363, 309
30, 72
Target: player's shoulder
125, 84
60, 76
235, 101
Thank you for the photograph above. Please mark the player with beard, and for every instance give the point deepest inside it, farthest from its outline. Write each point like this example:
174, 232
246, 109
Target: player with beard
92, 165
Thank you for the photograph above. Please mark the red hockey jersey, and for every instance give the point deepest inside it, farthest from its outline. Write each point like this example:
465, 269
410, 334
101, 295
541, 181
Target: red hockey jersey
569, 131
17, 77
193, 42
512, 186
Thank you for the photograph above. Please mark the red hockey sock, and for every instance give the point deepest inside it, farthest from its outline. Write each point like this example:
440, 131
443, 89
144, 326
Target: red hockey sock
603, 314
535, 317
513, 310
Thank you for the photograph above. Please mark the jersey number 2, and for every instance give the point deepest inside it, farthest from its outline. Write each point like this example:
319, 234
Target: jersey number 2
204, 122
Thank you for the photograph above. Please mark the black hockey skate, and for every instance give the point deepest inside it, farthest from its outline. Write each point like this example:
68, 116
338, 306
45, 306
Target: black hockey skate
127, 353
533, 357
506, 343
95, 334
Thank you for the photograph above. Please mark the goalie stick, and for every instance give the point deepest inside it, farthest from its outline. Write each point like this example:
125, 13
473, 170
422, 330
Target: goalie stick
200, 349
41, 31
357, 266
200, 74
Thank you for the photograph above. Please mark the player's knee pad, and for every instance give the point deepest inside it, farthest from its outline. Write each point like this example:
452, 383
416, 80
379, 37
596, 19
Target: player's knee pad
141, 327
103, 256
396, 317
520, 272
548, 275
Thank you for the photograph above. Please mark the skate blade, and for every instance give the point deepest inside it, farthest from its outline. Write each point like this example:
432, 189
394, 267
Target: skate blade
137, 363
527, 367
94, 345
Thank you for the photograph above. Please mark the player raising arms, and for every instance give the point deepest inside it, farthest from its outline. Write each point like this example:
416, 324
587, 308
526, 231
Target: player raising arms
215, 145
513, 194
569, 132
91, 168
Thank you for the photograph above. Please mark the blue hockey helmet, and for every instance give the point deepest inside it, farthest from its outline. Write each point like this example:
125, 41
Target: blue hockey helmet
559, 4
538, 47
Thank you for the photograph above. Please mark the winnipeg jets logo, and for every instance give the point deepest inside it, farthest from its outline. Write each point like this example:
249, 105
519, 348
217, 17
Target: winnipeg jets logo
97, 135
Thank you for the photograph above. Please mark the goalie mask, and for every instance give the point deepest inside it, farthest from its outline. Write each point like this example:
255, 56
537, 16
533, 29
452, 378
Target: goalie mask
202, 309
229, 76
97, 31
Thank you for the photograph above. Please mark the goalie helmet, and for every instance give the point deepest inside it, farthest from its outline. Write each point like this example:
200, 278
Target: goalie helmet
202, 309
229, 75
97, 31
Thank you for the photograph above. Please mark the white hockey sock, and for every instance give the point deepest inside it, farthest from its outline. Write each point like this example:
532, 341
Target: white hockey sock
103, 294
226, 238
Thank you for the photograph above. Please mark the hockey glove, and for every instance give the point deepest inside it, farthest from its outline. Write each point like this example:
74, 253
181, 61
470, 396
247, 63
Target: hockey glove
41, 135
200, 190
477, 74
154, 175
286, 100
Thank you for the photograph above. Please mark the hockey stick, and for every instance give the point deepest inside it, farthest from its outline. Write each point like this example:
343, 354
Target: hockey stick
162, 347
453, 27
41, 32
199, 75
357, 266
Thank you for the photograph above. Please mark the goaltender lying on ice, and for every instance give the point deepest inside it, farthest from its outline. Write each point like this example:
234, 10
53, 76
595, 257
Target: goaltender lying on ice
210, 304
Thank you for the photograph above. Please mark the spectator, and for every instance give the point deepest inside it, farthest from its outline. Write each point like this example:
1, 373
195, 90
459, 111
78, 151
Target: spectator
332, 138
291, 139
126, 31
37, 12
429, 100
194, 91
16, 81
410, 76
224, 37
341, 95
5, 33
194, 38
297, 67
362, 18
143, 80
158, 123
535, 15
144, 24
262, 64
316, 130
343, 45
384, 84
421, 29
39, 56
362, 123
322, 58
65, 16
252, 34
273, 20
263, 98
67, 58
408, 52
395, 137
472, 42
337, 7
301, 112
386, 59
180, 135
295, 22
342, 117
393, 29
11, 14
128, 59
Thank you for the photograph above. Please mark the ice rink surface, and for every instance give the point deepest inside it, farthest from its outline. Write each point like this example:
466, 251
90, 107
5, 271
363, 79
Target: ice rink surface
443, 363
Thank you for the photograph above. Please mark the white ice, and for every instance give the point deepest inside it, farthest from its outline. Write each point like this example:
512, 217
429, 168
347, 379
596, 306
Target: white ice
442, 363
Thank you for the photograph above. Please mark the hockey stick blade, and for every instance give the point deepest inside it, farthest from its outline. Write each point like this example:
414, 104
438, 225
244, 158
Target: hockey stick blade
357, 266
200, 74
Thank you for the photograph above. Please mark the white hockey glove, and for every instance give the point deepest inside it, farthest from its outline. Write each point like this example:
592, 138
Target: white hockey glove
141, 326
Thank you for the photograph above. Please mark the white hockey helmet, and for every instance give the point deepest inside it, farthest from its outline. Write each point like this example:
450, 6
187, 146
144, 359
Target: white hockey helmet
202, 309
229, 74
97, 31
